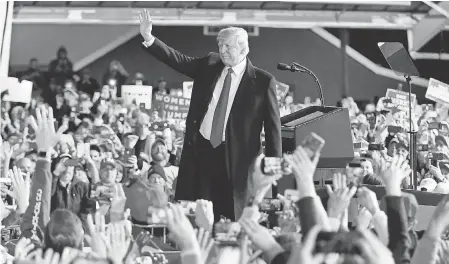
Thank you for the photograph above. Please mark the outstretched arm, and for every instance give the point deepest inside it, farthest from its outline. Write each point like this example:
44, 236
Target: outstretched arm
173, 58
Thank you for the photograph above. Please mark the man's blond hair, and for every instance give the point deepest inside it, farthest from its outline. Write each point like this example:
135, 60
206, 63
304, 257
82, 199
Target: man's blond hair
239, 34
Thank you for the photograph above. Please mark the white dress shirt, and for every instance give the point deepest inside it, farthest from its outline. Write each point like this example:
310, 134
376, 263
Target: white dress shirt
236, 77
238, 70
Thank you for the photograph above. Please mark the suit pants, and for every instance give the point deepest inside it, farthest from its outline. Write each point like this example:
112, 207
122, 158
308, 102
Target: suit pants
214, 183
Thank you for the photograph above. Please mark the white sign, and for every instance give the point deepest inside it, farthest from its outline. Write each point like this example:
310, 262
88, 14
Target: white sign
438, 91
137, 94
19, 92
187, 89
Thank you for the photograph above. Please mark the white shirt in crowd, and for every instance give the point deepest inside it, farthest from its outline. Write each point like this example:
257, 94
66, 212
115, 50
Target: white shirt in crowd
171, 172
236, 77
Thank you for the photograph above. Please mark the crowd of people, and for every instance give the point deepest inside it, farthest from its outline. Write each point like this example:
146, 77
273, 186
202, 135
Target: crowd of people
86, 177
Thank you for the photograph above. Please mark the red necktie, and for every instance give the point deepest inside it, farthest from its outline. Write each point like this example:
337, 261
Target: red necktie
218, 122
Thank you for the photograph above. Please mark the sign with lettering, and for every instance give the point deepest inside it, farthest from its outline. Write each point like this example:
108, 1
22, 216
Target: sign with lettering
397, 101
137, 94
187, 89
173, 107
19, 92
438, 91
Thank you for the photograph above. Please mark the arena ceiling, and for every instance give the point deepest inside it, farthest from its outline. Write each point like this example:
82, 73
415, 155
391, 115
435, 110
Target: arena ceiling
412, 7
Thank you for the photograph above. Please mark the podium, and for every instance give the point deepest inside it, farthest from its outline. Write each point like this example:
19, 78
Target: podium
330, 123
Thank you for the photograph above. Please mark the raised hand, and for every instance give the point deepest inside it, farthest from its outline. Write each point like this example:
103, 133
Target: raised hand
181, 230
50, 257
97, 239
261, 238
438, 223
393, 176
204, 214
259, 183
304, 253
44, 129
22, 249
146, 25
372, 250
21, 185
303, 168
119, 241
206, 242
339, 197
368, 200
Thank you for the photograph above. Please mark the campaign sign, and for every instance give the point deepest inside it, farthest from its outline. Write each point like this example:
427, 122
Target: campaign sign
187, 89
137, 94
19, 92
173, 107
397, 101
438, 91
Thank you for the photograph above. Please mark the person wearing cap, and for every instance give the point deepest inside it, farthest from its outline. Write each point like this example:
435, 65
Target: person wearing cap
161, 157
442, 144
68, 193
108, 171
398, 145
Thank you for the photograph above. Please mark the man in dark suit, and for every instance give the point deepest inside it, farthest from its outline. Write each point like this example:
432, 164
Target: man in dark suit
231, 102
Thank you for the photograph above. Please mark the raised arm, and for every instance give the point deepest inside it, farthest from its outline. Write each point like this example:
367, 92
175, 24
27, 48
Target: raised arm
176, 60
37, 214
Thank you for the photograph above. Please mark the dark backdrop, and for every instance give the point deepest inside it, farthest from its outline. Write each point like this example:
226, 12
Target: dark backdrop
266, 50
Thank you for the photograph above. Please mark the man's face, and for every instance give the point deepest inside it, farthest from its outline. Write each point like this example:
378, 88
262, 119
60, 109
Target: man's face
159, 152
108, 174
67, 175
229, 51
26, 165
367, 168
95, 155
62, 54
156, 180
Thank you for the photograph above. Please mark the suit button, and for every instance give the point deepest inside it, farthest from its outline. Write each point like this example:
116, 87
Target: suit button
194, 121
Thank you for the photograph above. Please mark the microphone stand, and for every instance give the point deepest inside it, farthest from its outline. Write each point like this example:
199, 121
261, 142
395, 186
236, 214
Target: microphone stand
309, 72
413, 139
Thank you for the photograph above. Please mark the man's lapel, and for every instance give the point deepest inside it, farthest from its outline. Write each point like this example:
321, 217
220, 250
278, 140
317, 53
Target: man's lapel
245, 86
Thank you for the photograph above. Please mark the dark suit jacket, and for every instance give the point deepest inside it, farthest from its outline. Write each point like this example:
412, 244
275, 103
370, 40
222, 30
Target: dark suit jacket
255, 106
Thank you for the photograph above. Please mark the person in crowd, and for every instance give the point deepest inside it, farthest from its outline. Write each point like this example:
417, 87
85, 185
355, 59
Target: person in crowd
67, 193
34, 75
139, 79
115, 77
160, 156
87, 83
214, 162
61, 68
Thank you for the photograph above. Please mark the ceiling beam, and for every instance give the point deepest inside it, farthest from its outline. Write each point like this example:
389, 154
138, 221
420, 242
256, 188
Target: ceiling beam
429, 26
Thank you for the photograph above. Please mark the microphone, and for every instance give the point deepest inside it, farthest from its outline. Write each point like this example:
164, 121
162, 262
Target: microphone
285, 67
296, 67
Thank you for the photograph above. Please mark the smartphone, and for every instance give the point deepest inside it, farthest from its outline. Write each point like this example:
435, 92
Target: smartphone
274, 165
422, 147
313, 144
270, 205
375, 147
101, 192
439, 156
189, 207
358, 145
72, 162
434, 125
395, 129
434, 162
142, 105
156, 216
227, 233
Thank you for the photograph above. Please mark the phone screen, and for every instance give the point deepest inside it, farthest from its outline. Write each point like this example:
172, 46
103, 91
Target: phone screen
313, 144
